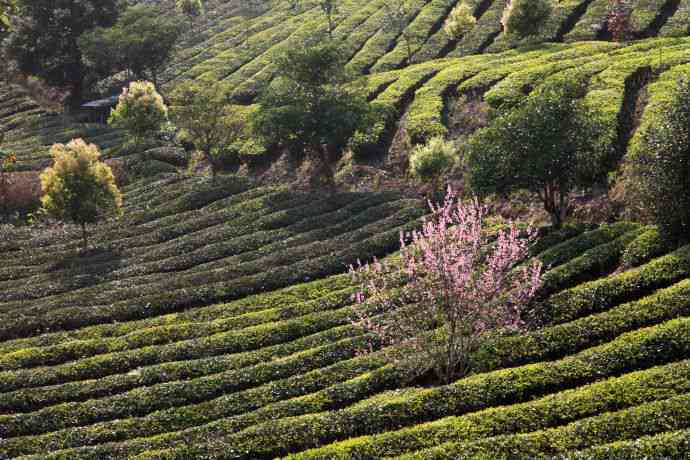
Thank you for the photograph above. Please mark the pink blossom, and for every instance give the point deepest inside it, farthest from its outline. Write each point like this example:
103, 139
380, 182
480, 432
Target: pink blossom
452, 284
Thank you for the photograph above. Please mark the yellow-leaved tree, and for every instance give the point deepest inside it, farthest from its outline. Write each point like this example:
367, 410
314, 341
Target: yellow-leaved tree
140, 110
79, 187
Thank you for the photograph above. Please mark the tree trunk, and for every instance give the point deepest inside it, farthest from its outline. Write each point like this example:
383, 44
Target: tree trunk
322, 156
84, 236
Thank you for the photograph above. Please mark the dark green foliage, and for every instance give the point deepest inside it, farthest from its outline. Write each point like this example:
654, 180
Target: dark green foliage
663, 446
141, 42
207, 120
664, 167
44, 42
570, 405
650, 418
312, 104
547, 146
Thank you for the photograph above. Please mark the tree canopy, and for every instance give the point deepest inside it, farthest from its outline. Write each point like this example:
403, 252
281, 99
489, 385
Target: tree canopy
78, 187
44, 41
7, 7
206, 119
312, 105
141, 42
663, 167
547, 145
140, 110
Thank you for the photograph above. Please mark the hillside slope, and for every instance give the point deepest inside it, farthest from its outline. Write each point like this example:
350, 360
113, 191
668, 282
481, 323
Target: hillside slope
237, 44
105, 357
30, 130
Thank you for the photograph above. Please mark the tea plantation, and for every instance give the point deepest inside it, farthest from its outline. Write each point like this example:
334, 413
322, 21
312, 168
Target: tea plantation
30, 130
421, 94
211, 322
214, 319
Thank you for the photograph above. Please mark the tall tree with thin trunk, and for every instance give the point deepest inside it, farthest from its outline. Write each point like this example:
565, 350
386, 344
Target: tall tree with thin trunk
313, 107
330, 9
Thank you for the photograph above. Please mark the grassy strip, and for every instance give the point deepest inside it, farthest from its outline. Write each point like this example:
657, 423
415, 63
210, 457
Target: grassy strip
226, 269
252, 338
679, 24
591, 23
511, 90
571, 248
660, 96
591, 264
142, 401
161, 335
323, 290
662, 446
179, 418
554, 410
595, 296
243, 219
629, 352
562, 339
649, 418
418, 31
259, 235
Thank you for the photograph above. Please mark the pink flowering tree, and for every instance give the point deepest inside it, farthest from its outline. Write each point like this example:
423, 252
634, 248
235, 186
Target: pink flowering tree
618, 19
452, 283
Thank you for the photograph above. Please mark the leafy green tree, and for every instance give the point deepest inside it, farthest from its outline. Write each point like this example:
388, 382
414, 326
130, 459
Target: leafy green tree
525, 18
141, 42
547, 145
459, 22
207, 119
312, 106
190, 8
140, 110
44, 42
663, 167
79, 188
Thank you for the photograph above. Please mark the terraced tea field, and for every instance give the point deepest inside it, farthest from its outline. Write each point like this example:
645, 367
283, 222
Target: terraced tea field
30, 130
238, 44
422, 94
212, 322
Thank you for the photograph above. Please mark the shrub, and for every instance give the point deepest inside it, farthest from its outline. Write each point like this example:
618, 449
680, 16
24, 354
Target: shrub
661, 446
612, 394
190, 8
140, 110
649, 418
524, 18
663, 167
459, 21
430, 160
79, 187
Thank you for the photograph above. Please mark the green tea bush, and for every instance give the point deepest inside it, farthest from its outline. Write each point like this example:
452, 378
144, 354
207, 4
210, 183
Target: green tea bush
432, 159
